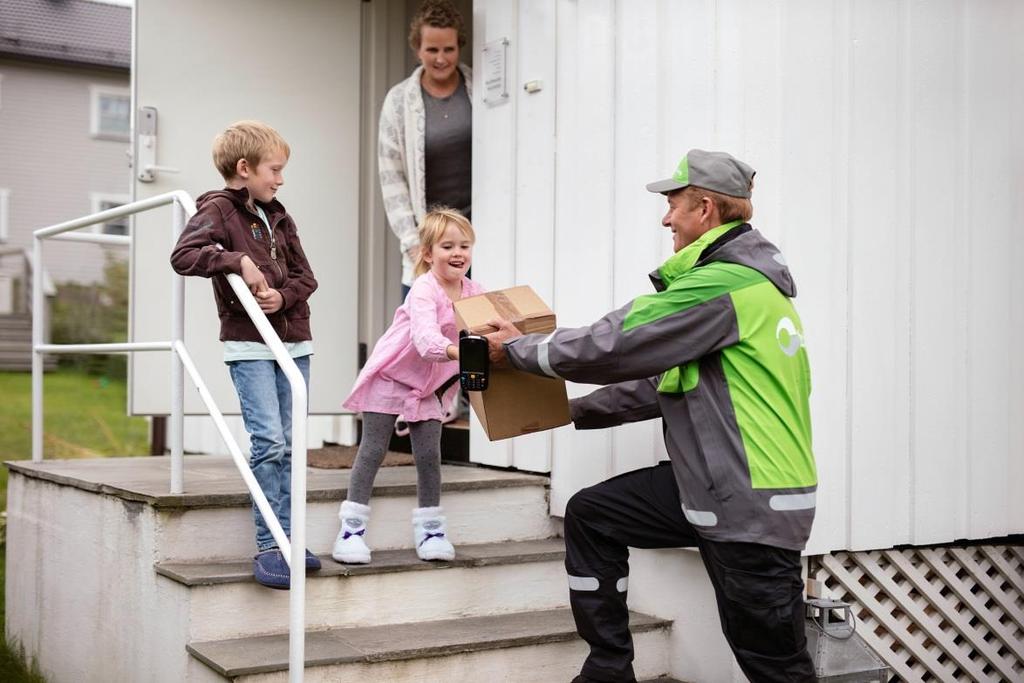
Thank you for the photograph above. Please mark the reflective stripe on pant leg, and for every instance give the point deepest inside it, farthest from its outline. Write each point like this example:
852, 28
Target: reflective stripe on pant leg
596, 566
641, 509
590, 583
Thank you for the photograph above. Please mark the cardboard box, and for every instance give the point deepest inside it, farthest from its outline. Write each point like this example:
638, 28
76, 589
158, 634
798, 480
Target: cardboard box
515, 402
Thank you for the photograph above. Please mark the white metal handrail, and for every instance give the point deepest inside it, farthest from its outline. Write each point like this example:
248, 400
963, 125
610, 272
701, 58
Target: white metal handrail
183, 208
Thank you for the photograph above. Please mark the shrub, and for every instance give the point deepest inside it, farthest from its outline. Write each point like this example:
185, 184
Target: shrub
87, 314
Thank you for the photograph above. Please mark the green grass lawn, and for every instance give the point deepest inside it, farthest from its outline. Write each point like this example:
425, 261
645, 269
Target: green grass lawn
84, 418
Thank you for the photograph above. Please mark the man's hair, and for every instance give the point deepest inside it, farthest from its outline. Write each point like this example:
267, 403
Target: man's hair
729, 208
249, 140
439, 14
432, 229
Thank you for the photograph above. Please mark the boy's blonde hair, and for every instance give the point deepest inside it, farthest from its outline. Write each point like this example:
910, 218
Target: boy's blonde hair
249, 140
432, 229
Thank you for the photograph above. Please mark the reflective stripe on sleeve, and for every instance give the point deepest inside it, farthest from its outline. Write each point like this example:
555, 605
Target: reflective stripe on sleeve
542, 357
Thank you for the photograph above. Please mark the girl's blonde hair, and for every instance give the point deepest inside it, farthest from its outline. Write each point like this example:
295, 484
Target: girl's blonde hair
432, 229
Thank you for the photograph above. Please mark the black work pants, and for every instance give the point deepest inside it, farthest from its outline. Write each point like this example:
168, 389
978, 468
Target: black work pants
758, 588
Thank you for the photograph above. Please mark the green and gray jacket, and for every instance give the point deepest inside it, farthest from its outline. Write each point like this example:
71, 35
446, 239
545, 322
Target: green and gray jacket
718, 353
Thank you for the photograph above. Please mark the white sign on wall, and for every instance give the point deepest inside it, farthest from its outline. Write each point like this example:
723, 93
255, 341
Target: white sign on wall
495, 60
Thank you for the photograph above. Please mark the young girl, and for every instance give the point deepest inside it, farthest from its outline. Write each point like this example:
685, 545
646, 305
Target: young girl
408, 365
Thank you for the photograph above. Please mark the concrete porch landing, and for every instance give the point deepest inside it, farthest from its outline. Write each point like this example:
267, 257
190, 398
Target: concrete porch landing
112, 578
100, 554
214, 481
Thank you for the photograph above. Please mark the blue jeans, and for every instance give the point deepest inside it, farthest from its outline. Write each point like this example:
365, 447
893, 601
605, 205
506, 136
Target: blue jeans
266, 399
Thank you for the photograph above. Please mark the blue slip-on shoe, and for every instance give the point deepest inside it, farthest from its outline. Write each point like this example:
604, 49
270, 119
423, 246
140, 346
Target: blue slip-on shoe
270, 569
312, 562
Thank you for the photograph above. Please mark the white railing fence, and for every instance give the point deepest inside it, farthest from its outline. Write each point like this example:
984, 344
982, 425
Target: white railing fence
183, 207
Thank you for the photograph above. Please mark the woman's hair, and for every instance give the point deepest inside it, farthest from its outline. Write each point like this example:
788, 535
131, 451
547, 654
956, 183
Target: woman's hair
729, 208
432, 229
439, 14
249, 140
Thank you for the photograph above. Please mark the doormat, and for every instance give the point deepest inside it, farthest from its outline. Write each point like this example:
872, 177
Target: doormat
342, 457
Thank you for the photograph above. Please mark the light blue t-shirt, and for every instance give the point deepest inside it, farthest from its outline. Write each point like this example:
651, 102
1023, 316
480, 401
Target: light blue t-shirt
252, 350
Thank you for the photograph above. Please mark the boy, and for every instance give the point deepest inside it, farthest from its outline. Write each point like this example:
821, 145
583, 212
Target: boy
243, 229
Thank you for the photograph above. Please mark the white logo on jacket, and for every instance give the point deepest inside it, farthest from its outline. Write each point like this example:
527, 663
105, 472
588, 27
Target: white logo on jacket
792, 341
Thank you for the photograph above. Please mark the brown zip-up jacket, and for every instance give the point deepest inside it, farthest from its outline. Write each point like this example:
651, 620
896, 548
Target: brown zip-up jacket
223, 230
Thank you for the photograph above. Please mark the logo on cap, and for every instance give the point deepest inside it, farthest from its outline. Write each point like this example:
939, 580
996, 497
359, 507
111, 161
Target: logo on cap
682, 174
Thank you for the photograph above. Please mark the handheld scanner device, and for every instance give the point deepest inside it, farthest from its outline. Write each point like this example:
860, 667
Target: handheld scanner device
474, 364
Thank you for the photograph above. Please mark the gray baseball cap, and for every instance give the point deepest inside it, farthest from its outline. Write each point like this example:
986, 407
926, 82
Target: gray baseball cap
715, 171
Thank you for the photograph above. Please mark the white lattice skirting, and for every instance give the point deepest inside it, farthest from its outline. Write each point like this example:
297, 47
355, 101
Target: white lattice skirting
943, 614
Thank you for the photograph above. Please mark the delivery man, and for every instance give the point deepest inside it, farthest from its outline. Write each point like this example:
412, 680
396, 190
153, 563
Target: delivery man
718, 354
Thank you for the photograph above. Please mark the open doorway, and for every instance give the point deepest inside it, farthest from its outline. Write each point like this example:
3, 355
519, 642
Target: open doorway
387, 60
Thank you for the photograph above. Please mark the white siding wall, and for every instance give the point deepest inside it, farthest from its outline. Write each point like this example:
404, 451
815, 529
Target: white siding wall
51, 165
890, 165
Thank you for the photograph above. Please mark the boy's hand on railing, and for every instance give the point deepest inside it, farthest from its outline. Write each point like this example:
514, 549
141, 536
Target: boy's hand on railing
270, 301
253, 277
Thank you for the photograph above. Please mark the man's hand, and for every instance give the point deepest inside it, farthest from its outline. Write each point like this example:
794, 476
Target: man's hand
253, 277
270, 301
496, 340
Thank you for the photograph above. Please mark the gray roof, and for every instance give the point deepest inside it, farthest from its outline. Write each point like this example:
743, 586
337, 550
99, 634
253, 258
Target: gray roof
68, 31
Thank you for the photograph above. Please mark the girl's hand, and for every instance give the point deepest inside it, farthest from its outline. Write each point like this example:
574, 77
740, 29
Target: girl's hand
452, 352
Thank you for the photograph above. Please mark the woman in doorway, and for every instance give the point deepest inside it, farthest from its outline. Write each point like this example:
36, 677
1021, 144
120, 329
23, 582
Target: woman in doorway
425, 137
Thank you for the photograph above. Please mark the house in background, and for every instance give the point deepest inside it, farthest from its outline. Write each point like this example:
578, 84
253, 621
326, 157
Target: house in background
64, 130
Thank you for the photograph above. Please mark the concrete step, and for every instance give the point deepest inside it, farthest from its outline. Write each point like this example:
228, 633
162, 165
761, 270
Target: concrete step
212, 520
397, 586
524, 647
220, 533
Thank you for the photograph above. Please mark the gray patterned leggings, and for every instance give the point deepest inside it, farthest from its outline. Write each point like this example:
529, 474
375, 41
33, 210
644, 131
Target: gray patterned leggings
426, 450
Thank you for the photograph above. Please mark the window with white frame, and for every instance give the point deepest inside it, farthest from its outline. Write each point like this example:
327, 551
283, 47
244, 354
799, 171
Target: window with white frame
5, 214
111, 112
102, 202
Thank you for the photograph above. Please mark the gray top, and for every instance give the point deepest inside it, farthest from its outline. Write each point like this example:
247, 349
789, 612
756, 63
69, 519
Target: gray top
448, 149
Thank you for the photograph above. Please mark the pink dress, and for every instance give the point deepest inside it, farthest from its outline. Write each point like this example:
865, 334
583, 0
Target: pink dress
409, 363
